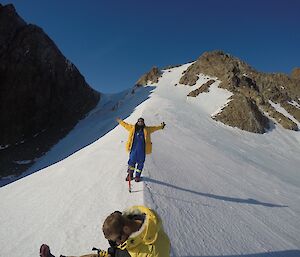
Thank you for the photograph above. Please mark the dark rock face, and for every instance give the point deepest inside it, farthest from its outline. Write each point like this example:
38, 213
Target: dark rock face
202, 88
259, 88
42, 94
241, 112
153, 76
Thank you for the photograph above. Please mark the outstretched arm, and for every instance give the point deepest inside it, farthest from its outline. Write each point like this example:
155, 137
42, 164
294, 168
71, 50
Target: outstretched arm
155, 128
126, 125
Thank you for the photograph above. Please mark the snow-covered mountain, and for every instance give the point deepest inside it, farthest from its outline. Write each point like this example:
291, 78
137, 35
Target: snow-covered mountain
220, 191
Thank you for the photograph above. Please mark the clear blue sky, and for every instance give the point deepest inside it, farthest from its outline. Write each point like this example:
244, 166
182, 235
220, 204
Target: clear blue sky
113, 42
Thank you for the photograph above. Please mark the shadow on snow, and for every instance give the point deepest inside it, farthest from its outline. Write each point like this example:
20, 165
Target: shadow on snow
98, 122
287, 253
217, 197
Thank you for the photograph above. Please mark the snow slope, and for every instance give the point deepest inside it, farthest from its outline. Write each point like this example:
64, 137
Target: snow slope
220, 191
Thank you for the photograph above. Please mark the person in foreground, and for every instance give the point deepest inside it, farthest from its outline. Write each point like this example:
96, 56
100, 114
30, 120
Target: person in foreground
112, 251
138, 230
138, 144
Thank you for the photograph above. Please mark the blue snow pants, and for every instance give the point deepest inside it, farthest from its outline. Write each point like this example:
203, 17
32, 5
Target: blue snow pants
137, 154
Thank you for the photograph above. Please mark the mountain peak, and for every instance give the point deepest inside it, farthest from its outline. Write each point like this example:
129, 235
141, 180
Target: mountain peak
43, 95
9, 8
8, 14
152, 76
296, 73
261, 89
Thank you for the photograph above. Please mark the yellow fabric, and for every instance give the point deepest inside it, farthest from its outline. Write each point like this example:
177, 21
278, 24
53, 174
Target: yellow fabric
147, 134
150, 240
101, 254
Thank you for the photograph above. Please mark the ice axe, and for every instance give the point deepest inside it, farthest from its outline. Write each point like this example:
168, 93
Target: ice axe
98, 251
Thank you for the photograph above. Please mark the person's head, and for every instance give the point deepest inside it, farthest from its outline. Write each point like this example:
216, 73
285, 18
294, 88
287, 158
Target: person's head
117, 228
140, 124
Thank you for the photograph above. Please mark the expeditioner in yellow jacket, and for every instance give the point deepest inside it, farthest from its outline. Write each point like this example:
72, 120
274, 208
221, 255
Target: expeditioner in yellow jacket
139, 230
138, 144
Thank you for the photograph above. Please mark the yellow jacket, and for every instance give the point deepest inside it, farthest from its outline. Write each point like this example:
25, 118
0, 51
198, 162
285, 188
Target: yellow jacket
150, 240
147, 134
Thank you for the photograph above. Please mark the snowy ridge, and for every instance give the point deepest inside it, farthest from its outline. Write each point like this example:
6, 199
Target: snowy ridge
220, 191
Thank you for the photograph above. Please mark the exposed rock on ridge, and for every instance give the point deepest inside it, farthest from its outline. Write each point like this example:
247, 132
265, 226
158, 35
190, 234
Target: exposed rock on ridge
243, 81
152, 76
202, 88
296, 73
241, 112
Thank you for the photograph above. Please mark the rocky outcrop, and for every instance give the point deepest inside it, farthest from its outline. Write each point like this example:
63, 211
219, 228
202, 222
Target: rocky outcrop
296, 73
215, 64
292, 109
279, 117
171, 66
202, 88
242, 80
243, 113
43, 95
152, 76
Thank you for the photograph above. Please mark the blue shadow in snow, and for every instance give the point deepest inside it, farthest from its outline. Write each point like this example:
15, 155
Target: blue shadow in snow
217, 197
95, 125
287, 253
